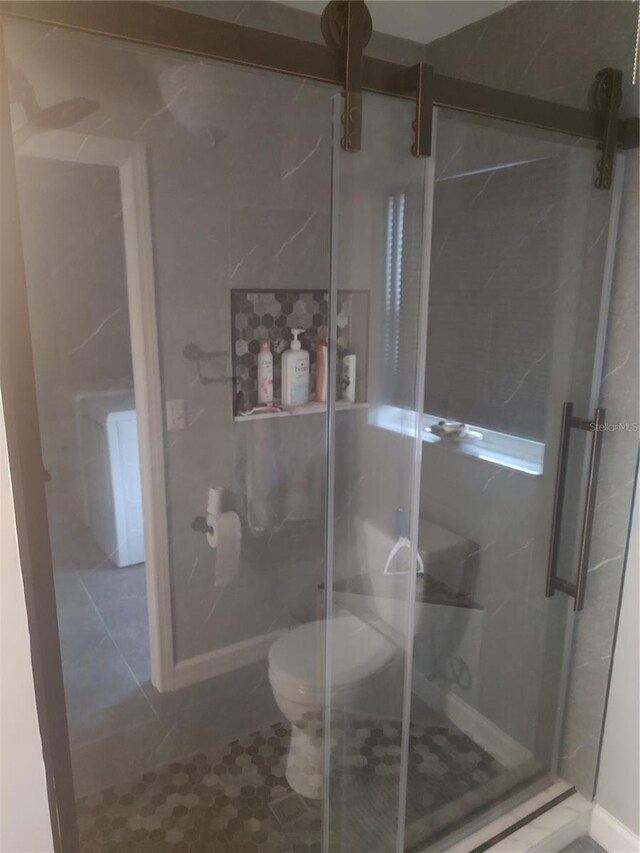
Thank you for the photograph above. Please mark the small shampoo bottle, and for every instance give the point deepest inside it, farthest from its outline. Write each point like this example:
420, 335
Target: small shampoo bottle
265, 373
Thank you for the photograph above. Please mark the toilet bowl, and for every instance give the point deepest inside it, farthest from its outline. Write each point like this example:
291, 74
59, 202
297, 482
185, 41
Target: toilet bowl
299, 683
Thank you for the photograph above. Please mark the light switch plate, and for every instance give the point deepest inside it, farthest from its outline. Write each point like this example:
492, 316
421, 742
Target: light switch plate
176, 414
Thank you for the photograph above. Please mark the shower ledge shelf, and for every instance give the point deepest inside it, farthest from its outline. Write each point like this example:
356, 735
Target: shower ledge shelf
308, 409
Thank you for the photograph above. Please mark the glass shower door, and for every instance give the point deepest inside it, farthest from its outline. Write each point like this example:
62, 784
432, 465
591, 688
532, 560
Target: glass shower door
516, 317
447, 662
380, 230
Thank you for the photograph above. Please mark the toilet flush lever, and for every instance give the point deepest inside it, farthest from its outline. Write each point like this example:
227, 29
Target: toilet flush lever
402, 542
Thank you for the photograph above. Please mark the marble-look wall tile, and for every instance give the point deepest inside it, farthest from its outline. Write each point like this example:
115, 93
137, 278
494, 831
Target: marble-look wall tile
549, 49
491, 297
595, 626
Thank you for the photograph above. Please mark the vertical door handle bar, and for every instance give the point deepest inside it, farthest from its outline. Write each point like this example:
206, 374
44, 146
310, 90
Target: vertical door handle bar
575, 590
589, 507
558, 498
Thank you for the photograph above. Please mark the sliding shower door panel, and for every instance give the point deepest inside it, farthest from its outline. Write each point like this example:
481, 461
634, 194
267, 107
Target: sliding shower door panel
515, 322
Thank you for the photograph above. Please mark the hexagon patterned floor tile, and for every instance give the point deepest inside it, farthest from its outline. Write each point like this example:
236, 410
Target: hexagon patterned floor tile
236, 799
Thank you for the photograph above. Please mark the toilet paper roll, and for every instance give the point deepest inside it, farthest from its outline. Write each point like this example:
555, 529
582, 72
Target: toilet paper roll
226, 540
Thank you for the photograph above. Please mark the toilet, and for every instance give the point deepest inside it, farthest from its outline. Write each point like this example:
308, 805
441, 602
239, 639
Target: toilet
297, 676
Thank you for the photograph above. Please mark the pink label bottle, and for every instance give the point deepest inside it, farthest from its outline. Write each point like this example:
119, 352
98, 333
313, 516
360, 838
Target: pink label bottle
265, 373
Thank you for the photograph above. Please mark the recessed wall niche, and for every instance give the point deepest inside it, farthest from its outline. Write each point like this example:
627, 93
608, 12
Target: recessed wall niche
258, 315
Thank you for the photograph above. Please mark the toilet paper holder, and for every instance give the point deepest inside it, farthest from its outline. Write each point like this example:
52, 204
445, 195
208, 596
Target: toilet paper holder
201, 525
193, 352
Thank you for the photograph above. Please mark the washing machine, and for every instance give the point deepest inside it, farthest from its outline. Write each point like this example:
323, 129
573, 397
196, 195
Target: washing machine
110, 464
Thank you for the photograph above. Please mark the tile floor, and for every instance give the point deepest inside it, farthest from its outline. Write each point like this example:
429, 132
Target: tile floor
236, 798
119, 724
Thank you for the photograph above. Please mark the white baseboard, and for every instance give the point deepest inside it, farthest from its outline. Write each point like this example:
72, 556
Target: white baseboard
505, 749
219, 661
614, 836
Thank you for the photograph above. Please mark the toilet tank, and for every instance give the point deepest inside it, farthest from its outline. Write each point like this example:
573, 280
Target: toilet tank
444, 553
110, 464
445, 556
448, 624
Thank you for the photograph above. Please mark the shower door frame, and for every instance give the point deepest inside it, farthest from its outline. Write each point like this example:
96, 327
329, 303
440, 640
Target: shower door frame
164, 27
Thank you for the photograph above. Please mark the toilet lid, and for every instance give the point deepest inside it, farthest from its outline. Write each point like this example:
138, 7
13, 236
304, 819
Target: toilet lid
357, 651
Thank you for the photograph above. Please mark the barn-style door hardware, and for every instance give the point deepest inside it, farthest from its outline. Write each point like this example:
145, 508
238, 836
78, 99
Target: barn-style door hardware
605, 99
419, 80
346, 27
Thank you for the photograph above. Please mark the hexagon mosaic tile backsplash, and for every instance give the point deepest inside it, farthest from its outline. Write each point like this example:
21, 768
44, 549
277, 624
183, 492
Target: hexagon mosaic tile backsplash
271, 315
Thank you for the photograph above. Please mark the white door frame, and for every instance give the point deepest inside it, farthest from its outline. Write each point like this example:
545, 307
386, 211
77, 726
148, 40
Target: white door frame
129, 158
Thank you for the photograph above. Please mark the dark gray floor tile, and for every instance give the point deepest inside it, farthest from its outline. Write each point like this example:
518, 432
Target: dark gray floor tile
103, 696
229, 690
116, 758
82, 631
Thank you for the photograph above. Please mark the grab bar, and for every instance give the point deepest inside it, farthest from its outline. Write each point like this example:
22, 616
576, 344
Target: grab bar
576, 590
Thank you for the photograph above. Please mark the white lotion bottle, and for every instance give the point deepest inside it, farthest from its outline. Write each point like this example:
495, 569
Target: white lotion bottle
295, 373
265, 373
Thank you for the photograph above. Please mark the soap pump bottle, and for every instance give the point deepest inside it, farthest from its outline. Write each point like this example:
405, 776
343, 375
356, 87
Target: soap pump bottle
295, 373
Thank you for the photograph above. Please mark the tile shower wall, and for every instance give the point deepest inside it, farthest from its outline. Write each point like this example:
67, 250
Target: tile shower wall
595, 626
486, 320
264, 316
553, 50
270, 317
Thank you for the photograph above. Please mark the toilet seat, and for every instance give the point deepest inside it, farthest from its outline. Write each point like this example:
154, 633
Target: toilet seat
296, 660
